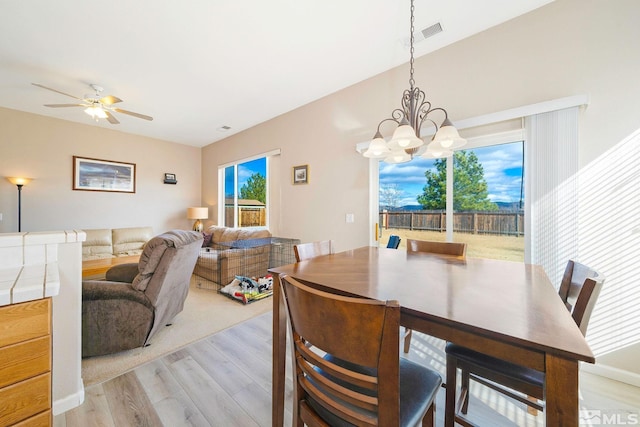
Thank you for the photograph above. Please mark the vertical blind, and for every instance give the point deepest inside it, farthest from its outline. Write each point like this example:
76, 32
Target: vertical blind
552, 190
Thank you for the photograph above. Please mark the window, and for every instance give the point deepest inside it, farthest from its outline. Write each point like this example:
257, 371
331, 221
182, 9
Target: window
486, 198
243, 196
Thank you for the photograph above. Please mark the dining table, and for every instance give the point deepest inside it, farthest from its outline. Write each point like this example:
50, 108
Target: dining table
505, 309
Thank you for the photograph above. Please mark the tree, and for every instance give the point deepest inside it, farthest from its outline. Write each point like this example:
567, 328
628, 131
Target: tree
255, 188
390, 196
469, 186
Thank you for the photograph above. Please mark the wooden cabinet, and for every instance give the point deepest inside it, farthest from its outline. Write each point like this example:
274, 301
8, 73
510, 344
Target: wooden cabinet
25, 364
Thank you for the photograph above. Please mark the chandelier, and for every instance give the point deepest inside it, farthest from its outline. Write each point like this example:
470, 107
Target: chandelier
406, 143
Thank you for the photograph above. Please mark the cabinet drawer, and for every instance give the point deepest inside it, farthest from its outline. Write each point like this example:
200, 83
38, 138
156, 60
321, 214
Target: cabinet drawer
43, 419
25, 321
25, 399
24, 360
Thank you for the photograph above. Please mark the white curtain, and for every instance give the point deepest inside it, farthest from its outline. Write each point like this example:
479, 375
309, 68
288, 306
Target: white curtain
551, 200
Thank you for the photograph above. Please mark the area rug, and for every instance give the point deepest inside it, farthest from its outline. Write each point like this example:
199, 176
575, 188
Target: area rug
205, 313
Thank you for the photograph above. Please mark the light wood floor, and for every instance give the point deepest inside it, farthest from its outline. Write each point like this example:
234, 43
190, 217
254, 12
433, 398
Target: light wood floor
225, 380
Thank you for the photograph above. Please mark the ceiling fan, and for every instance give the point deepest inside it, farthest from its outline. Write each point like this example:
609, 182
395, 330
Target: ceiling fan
97, 106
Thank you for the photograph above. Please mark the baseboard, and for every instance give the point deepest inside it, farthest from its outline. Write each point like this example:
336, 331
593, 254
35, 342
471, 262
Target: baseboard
612, 373
69, 402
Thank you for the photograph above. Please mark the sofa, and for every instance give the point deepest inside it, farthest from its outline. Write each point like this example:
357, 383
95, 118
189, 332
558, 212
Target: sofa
137, 300
229, 252
114, 242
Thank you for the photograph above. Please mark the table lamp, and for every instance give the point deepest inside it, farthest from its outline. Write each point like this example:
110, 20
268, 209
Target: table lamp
198, 214
19, 182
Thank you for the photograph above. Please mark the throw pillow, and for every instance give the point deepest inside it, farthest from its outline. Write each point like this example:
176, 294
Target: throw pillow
207, 239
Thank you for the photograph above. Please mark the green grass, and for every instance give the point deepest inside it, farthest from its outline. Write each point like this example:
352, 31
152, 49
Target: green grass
508, 248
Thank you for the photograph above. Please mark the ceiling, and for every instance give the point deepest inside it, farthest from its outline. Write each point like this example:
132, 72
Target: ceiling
198, 65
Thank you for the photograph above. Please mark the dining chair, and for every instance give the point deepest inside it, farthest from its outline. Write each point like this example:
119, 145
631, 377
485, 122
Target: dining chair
305, 251
439, 248
579, 291
394, 242
347, 370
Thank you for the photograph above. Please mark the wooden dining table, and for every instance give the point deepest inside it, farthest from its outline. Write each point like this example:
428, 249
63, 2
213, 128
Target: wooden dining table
501, 308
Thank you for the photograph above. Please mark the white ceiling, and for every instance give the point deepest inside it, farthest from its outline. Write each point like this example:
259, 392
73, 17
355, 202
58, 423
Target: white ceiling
197, 65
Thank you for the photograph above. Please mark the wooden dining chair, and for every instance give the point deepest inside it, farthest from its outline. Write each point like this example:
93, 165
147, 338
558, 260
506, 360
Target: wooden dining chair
579, 291
347, 369
313, 249
439, 248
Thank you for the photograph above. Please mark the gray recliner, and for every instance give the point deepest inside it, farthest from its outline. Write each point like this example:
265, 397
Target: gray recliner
135, 301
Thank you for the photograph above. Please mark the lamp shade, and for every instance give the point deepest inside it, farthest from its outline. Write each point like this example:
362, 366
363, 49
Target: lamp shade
404, 137
197, 213
378, 148
447, 137
398, 156
18, 180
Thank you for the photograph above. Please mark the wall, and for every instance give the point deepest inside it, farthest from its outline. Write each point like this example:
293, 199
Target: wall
42, 148
569, 47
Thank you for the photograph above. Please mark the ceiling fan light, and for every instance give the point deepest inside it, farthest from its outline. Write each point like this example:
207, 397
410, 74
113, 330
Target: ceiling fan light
96, 112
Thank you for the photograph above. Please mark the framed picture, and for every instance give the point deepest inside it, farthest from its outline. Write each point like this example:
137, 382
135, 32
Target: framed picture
301, 174
170, 178
103, 175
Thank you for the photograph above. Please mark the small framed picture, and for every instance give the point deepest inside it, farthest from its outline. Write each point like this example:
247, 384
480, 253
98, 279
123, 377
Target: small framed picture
170, 178
301, 174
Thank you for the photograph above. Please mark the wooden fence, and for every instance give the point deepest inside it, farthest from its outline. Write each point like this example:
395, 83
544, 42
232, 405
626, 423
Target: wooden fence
248, 216
500, 222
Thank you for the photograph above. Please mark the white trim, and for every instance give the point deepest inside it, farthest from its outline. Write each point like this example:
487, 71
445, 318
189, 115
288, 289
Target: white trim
69, 402
524, 111
494, 139
612, 373
374, 201
275, 152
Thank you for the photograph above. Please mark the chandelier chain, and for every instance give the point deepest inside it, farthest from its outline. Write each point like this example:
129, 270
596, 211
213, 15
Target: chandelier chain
411, 80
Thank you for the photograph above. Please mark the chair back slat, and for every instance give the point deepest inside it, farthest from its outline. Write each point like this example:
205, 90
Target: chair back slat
310, 250
443, 248
579, 290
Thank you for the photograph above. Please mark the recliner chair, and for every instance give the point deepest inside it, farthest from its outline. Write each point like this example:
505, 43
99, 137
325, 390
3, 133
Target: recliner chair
135, 301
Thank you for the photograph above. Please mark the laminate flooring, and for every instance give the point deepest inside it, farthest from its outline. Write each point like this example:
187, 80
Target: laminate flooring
225, 380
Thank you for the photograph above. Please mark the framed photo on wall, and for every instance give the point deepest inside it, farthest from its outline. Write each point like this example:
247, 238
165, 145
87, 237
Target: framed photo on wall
103, 175
301, 174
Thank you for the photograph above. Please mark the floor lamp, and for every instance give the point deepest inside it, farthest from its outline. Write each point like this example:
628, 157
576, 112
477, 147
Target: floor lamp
19, 182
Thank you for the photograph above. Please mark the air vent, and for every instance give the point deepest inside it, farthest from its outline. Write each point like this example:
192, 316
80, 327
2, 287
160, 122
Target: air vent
424, 34
432, 30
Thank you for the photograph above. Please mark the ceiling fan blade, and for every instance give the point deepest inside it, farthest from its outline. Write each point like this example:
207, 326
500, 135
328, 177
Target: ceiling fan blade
64, 105
54, 90
110, 99
131, 113
111, 118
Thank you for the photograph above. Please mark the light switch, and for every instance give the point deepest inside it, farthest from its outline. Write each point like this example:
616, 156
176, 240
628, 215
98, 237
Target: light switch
350, 218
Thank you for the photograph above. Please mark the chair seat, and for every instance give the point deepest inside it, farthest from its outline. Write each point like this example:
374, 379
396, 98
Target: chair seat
418, 388
502, 367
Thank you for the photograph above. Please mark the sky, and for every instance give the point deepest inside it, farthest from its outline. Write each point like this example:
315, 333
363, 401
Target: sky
245, 170
502, 166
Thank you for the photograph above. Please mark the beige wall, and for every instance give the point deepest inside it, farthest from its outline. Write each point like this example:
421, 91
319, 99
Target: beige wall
42, 148
568, 47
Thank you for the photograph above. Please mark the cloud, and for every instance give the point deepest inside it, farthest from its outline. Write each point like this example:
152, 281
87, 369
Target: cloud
502, 165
